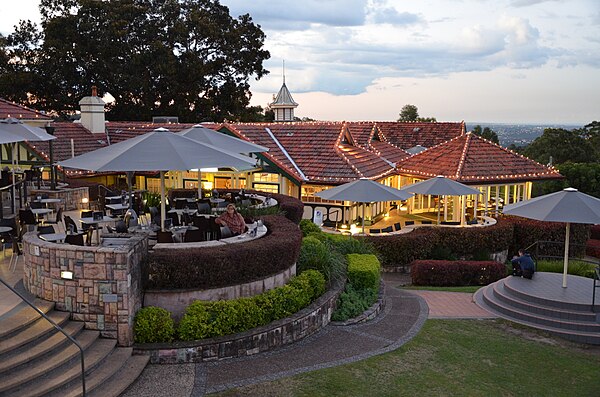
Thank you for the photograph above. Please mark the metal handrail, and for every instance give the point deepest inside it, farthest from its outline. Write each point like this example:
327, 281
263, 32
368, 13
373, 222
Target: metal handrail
596, 279
57, 327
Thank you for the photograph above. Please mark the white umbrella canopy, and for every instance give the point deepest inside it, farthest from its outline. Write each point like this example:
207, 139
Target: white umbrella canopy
159, 150
363, 191
13, 130
568, 205
220, 140
440, 186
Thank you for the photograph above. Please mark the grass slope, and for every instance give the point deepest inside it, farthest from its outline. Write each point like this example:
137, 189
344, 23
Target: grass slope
456, 358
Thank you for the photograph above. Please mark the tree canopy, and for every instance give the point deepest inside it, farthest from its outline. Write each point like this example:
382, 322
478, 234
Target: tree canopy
486, 133
563, 146
186, 58
411, 113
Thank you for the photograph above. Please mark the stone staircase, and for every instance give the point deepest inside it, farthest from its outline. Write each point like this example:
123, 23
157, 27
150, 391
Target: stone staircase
513, 299
37, 360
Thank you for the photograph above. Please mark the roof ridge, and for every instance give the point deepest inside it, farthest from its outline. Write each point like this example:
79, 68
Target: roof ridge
463, 155
13, 103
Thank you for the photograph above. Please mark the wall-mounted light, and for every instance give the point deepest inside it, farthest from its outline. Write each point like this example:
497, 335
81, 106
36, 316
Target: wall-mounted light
66, 275
85, 202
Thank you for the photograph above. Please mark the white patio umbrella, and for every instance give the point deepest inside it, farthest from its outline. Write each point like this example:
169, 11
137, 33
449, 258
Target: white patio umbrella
12, 131
159, 150
364, 191
568, 205
440, 186
221, 141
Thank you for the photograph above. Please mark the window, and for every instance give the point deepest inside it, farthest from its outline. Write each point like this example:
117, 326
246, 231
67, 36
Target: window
266, 187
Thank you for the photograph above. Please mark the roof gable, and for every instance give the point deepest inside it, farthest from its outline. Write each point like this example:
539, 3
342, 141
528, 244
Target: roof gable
471, 158
14, 110
407, 135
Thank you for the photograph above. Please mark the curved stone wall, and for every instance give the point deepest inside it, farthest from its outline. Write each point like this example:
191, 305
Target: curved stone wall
105, 291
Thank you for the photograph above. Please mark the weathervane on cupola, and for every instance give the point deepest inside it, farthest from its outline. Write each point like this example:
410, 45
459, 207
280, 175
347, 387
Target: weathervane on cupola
283, 105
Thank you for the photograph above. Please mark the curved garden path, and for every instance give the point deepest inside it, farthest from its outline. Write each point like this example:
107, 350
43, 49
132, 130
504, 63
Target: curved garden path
401, 320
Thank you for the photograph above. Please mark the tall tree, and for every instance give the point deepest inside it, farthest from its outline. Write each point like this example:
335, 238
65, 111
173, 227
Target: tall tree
486, 133
411, 113
562, 145
188, 58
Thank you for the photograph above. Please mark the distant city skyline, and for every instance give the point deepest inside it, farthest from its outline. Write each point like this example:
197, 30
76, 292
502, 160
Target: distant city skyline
504, 61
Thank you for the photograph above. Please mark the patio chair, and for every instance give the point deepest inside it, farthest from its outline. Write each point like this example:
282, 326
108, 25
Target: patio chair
387, 230
174, 219
57, 219
17, 251
74, 239
27, 217
164, 237
225, 232
397, 226
426, 222
121, 227
409, 223
70, 225
36, 204
46, 229
154, 215
180, 204
204, 207
374, 231
195, 235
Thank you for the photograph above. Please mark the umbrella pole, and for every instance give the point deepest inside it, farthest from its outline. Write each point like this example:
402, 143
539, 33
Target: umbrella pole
439, 208
14, 195
566, 261
199, 184
363, 218
129, 183
163, 207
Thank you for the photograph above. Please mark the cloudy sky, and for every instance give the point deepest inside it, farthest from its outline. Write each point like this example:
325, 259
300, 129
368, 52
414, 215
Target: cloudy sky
514, 61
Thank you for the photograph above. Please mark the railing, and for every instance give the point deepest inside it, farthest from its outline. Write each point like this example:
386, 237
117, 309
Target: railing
539, 250
57, 327
8, 188
596, 285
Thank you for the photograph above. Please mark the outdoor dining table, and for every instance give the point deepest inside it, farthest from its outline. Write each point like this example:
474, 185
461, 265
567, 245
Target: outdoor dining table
53, 237
114, 208
41, 212
91, 221
179, 232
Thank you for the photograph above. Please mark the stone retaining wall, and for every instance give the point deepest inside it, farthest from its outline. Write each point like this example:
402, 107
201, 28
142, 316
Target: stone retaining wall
105, 291
176, 301
71, 197
279, 333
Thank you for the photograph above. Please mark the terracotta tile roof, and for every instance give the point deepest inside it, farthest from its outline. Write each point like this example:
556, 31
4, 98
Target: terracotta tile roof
316, 148
471, 159
361, 132
407, 135
387, 151
83, 141
122, 130
12, 109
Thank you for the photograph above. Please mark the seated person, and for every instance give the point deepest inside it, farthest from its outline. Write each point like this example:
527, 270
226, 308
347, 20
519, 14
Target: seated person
233, 220
523, 265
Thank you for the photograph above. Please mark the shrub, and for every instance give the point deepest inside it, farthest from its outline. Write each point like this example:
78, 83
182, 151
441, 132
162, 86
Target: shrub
576, 268
318, 256
353, 302
153, 325
307, 226
363, 271
529, 231
214, 267
456, 273
595, 232
350, 245
592, 248
440, 252
211, 319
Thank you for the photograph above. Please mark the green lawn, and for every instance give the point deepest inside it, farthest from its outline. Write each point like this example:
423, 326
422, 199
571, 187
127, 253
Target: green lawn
456, 358
469, 288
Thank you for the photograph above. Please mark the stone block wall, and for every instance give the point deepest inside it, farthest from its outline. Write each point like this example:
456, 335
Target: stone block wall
105, 292
71, 197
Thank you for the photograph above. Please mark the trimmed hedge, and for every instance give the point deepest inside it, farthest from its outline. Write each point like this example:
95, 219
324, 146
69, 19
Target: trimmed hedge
528, 231
153, 325
211, 319
215, 267
317, 255
592, 248
363, 271
456, 273
576, 268
595, 232
402, 249
307, 226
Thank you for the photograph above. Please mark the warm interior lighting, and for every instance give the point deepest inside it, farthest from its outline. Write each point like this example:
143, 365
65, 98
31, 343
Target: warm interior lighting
85, 200
66, 275
353, 229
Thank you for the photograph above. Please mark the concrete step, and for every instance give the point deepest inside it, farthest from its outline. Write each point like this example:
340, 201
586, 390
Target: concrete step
111, 378
39, 329
40, 368
558, 304
550, 321
64, 374
504, 295
38, 348
482, 297
22, 316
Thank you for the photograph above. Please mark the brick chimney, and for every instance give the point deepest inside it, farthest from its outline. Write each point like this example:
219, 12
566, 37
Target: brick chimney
92, 112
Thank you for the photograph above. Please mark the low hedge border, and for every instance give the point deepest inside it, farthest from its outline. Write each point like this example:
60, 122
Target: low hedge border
363, 271
216, 267
456, 273
261, 339
368, 314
